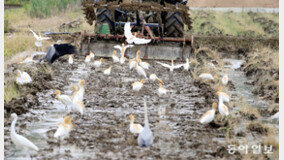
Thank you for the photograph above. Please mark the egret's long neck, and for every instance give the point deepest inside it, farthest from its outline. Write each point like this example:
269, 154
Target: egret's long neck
13, 131
220, 100
74, 93
20, 73
145, 114
81, 87
122, 51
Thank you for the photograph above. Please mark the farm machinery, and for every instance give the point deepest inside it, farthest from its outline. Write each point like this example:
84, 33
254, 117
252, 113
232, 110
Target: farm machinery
162, 21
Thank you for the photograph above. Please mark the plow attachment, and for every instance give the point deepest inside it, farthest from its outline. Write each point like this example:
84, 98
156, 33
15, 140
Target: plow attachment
161, 48
165, 50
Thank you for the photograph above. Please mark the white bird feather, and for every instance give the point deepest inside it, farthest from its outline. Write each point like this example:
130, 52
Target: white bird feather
133, 39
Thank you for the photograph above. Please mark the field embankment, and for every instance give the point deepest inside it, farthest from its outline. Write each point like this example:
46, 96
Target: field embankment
234, 3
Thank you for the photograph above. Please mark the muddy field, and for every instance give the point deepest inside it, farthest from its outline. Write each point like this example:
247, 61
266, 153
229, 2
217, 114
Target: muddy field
234, 3
103, 131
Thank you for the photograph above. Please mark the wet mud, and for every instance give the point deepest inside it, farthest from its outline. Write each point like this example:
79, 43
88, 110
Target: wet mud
263, 65
41, 81
103, 131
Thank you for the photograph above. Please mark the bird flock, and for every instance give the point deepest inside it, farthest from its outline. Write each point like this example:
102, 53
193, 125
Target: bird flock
75, 103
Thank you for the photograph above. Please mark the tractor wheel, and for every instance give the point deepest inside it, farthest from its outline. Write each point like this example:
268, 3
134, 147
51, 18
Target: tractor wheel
173, 25
104, 16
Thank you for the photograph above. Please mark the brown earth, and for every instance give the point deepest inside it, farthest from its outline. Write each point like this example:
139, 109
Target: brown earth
234, 3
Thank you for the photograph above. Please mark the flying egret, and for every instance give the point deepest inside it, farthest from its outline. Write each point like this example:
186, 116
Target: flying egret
133, 39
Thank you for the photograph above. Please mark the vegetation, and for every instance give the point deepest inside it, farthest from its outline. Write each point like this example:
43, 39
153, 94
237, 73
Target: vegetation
11, 91
235, 24
264, 63
15, 1
23, 40
46, 8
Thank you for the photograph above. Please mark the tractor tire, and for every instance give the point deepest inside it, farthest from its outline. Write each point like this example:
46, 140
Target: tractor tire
104, 16
173, 25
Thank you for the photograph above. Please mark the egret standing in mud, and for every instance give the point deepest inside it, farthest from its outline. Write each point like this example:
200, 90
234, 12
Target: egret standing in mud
107, 71
21, 142
70, 60
64, 128
144, 65
226, 97
161, 90
75, 95
223, 109
66, 100
140, 70
88, 59
153, 77
81, 91
136, 86
114, 57
145, 138
132, 63
134, 128
186, 65
92, 54
209, 115
77, 99
98, 63
23, 78
225, 78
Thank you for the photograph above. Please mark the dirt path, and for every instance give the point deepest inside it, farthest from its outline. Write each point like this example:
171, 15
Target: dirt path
234, 3
103, 131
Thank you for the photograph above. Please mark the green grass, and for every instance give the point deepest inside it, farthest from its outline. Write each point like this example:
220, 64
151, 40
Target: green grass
46, 8
229, 23
11, 91
15, 1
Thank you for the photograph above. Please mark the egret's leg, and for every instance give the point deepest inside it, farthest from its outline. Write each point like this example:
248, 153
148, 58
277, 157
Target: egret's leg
139, 154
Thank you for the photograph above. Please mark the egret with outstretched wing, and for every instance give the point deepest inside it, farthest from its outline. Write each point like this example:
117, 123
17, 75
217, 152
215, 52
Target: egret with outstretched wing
172, 66
132, 38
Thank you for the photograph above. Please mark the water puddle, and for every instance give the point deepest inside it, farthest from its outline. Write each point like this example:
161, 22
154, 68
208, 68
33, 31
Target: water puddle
242, 89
